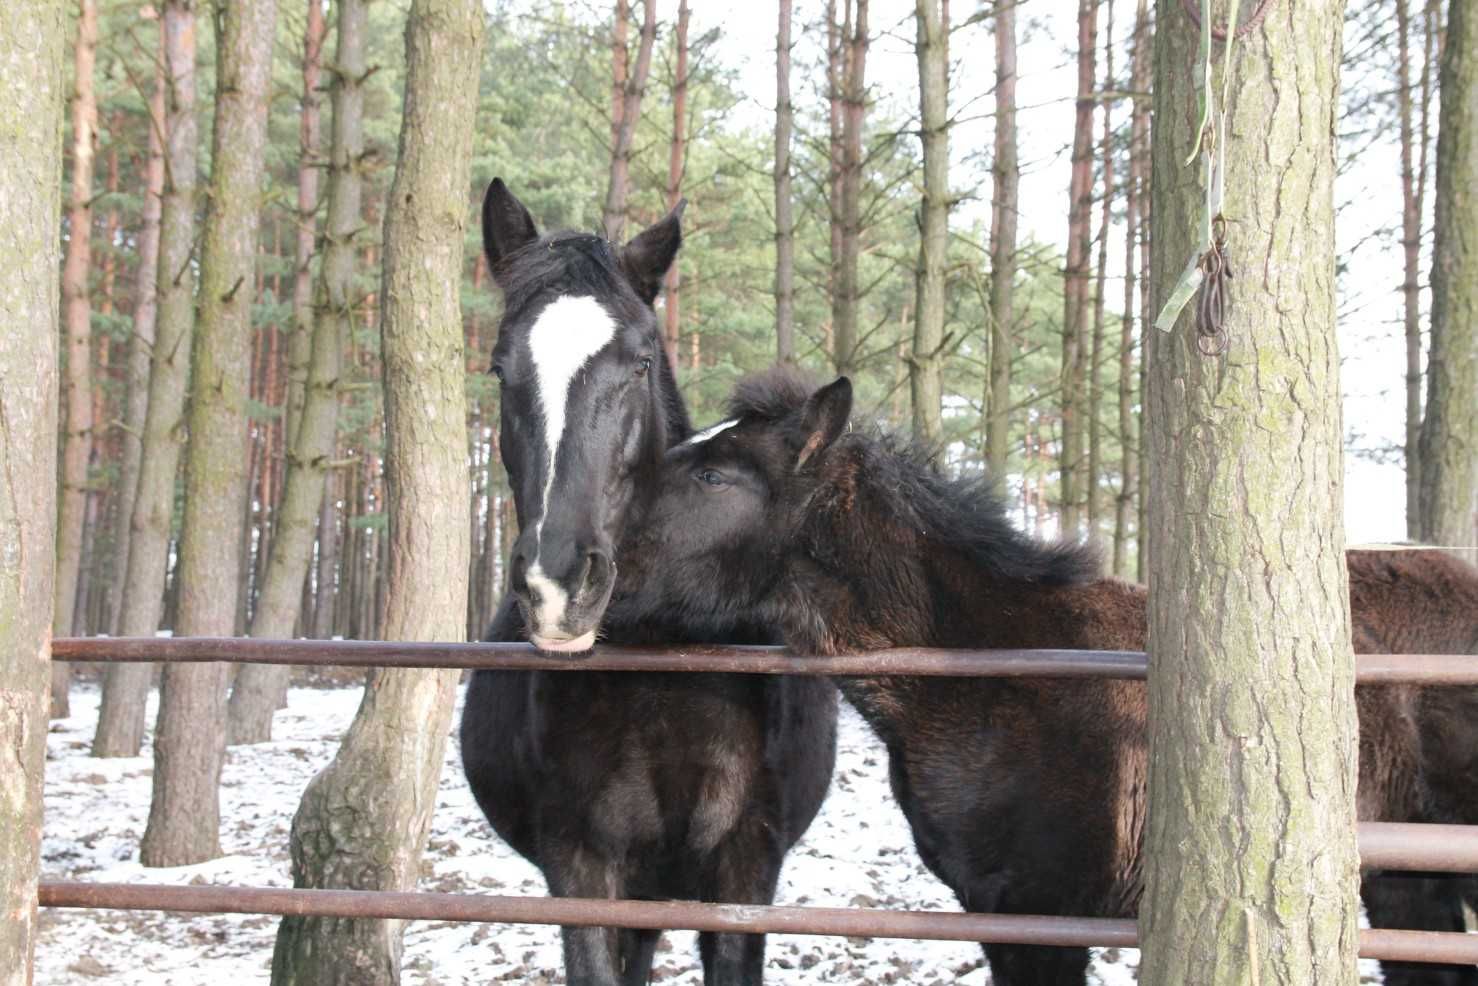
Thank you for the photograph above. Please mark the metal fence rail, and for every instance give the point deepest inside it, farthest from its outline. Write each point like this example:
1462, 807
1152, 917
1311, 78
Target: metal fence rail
1383, 845
1431, 669
1021, 929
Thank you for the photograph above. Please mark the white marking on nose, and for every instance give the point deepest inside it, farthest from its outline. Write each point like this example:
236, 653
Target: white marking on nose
709, 433
562, 340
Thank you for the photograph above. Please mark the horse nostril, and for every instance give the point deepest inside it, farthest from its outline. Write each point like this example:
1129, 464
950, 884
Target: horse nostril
518, 573
599, 570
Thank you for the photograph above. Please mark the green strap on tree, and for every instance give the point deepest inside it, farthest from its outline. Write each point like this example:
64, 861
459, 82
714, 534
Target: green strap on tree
1208, 257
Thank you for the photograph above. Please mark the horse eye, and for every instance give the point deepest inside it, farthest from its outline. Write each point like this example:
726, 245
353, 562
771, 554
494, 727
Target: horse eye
498, 371
643, 365
712, 477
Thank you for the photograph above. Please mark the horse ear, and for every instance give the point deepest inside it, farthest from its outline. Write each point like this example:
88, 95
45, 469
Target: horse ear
646, 258
506, 224
824, 418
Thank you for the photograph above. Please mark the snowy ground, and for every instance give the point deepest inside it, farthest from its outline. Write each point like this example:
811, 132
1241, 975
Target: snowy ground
858, 853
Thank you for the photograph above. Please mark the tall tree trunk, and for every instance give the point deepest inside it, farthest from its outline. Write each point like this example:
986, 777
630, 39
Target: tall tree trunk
32, 93
1449, 437
676, 164
77, 386
299, 347
784, 206
1005, 182
326, 577
364, 819
1075, 275
1251, 869
189, 740
845, 299
836, 47
1093, 418
169, 361
926, 363
258, 687
1129, 422
1411, 247
624, 127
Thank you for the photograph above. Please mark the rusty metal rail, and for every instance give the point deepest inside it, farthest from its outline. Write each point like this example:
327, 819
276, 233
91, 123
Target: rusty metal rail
1022, 929
1432, 669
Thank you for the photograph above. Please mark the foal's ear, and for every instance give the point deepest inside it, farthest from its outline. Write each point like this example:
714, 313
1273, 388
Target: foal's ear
506, 224
824, 418
646, 258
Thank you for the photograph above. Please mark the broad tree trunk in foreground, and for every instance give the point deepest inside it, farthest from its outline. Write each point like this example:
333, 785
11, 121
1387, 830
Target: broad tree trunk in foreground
149, 538
784, 206
363, 820
926, 365
1250, 862
255, 693
121, 715
1449, 441
77, 388
1005, 180
32, 91
1075, 275
623, 129
190, 739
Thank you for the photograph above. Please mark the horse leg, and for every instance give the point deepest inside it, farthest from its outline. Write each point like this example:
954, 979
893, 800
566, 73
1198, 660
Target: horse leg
745, 870
1419, 902
1036, 965
592, 955
637, 947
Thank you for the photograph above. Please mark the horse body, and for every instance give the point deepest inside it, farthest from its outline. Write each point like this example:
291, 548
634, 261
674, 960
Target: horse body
620, 785
1024, 796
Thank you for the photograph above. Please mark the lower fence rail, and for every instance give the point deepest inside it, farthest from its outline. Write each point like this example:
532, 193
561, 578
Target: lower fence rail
1019, 929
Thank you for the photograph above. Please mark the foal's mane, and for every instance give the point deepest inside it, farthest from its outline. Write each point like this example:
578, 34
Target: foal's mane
567, 262
969, 514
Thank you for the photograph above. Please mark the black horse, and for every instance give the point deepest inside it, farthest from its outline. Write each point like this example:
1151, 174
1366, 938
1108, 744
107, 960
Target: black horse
1024, 796
620, 785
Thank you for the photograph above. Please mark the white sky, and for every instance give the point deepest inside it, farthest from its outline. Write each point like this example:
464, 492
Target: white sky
1371, 342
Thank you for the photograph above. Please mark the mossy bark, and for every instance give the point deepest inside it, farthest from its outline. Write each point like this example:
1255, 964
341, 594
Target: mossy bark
32, 94
364, 819
189, 741
1251, 867
1449, 436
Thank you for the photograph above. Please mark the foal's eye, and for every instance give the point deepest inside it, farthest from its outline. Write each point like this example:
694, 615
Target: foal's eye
712, 477
643, 365
498, 371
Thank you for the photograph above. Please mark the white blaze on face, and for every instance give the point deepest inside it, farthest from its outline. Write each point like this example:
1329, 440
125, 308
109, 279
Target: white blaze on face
709, 433
566, 335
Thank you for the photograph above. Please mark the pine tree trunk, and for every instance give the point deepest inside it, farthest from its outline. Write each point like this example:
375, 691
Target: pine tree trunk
676, 164
255, 694
145, 584
624, 126
299, 347
1449, 435
836, 35
364, 819
76, 436
1075, 276
784, 206
32, 97
845, 299
926, 363
326, 578
1411, 244
1092, 418
189, 740
1250, 860
1005, 181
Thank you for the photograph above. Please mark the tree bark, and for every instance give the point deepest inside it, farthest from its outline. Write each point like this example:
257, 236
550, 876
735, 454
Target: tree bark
258, 687
169, 361
364, 819
1005, 182
1075, 274
77, 386
926, 363
624, 127
836, 41
32, 97
1129, 422
784, 206
1449, 436
1092, 418
309, 127
845, 298
1251, 869
190, 737
1411, 244
676, 164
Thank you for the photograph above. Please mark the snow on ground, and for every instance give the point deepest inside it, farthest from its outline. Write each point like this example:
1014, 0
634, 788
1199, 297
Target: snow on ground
858, 853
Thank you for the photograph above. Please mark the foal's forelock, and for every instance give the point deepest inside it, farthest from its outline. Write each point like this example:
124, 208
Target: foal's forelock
568, 333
